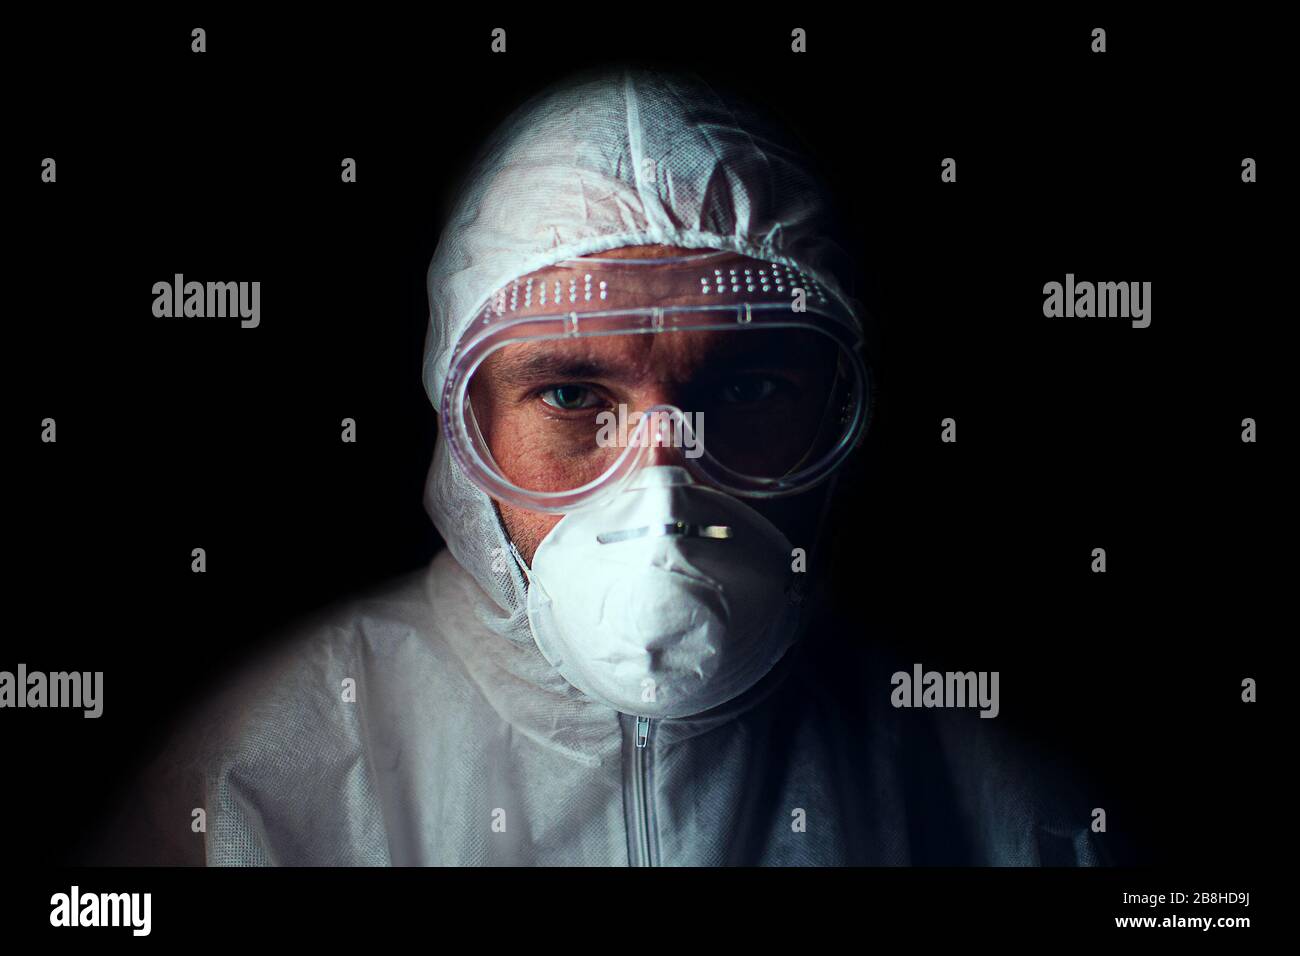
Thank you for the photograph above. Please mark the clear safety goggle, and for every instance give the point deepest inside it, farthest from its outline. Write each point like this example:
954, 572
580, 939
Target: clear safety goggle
570, 379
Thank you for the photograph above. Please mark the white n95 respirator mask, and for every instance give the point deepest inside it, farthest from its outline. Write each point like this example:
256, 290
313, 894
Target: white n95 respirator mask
668, 599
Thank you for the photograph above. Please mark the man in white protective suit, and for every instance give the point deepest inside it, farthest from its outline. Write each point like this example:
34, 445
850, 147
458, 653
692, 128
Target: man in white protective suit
648, 376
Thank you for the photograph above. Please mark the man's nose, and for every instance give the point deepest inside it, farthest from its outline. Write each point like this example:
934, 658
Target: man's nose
669, 436
665, 455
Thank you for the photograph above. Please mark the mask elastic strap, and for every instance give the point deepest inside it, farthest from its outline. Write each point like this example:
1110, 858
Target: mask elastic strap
510, 544
796, 590
519, 559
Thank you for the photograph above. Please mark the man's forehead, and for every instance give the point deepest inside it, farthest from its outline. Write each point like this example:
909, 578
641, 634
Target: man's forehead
645, 252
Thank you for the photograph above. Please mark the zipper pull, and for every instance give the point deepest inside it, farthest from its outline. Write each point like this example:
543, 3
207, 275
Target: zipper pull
642, 732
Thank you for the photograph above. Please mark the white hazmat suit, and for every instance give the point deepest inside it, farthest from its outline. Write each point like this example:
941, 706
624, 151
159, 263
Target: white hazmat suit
462, 745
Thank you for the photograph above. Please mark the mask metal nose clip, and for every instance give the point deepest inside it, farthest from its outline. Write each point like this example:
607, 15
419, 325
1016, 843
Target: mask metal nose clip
678, 529
663, 476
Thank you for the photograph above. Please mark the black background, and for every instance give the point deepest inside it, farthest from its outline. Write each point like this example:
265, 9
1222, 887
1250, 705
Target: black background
1073, 434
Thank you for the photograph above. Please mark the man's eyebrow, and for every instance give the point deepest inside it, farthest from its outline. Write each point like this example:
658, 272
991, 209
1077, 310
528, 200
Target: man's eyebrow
531, 367
765, 352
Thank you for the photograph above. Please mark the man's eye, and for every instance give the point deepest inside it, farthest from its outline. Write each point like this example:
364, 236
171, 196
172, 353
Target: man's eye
569, 397
748, 389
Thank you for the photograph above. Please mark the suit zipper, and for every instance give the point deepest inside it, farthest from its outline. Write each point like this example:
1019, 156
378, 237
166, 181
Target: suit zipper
641, 757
